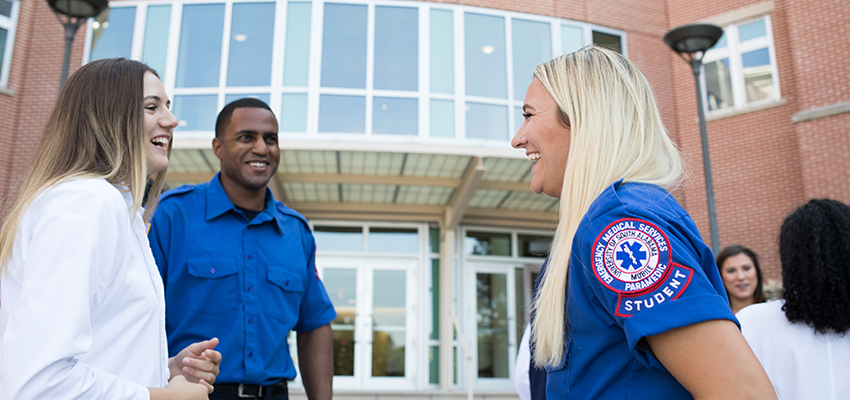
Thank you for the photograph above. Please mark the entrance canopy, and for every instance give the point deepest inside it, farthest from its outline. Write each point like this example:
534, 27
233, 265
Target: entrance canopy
404, 182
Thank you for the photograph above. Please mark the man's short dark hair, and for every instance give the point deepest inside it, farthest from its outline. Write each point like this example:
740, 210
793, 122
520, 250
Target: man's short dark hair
224, 116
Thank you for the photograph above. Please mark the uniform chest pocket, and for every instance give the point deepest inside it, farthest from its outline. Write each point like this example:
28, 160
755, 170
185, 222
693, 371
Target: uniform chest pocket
286, 290
214, 284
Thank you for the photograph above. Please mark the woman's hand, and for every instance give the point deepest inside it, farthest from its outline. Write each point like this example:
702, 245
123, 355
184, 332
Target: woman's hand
197, 362
181, 389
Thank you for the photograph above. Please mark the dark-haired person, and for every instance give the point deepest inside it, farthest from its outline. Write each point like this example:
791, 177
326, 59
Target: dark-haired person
739, 267
82, 312
802, 341
240, 265
631, 303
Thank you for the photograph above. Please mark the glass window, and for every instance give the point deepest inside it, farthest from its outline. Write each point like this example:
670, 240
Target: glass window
389, 323
486, 74
442, 51
396, 48
434, 240
113, 33
344, 114
393, 240
486, 121
435, 297
338, 238
293, 114
608, 41
296, 62
251, 34
395, 116
199, 57
442, 118
740, 72
492, 298
155, 47
6, 8
758, 77
341, 287
487, 244
752, 30
572, 38
259, 96
196, 113
3, 35
532, 45
534, 245
718, 84
344, 46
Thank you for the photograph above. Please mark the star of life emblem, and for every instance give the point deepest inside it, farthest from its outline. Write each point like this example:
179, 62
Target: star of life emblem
631, 256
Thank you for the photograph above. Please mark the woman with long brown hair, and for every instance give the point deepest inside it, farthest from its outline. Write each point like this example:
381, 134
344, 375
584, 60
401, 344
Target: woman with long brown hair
81, 301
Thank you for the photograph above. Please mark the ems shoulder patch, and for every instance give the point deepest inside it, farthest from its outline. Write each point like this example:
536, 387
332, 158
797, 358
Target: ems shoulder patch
674, 284
631, 256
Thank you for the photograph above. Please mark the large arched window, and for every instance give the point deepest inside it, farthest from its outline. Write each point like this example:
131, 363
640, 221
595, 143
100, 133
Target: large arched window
354, 70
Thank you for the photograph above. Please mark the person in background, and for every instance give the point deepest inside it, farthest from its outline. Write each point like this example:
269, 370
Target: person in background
739, 267
631, 304
241, 265
82, 312
802, 341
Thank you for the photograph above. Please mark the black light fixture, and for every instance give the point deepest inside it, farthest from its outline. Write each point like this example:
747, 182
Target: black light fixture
691, 42
77, 12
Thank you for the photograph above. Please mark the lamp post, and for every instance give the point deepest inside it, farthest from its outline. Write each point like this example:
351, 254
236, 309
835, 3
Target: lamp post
691, 42
76, 11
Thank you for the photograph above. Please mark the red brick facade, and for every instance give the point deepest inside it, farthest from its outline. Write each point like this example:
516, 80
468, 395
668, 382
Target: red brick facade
764, 165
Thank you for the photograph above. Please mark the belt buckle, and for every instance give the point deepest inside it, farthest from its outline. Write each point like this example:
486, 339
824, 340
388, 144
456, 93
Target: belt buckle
241, 395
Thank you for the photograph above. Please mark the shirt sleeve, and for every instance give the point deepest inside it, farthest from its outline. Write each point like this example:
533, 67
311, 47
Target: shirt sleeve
650, 274
316, 307
68, 244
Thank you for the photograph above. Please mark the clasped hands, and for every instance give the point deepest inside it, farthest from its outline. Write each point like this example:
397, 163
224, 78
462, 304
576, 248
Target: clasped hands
197, 363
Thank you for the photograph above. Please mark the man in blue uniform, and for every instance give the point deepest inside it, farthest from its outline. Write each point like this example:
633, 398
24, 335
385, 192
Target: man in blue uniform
239, 265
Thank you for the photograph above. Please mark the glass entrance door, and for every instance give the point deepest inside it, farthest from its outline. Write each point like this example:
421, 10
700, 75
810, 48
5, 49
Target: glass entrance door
490, 325
374, 330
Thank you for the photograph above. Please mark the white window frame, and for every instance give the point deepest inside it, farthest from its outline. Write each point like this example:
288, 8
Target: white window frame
416, 352
470, 265
734, 50
314, 88
9, 24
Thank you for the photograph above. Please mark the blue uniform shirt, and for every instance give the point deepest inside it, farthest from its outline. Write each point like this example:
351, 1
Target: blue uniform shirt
638, 268
247, 283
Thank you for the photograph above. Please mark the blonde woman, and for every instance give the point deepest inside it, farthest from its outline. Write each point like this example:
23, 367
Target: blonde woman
631, 305
82, 313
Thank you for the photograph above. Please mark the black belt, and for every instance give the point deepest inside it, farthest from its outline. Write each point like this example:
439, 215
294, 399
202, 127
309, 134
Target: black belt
258, 391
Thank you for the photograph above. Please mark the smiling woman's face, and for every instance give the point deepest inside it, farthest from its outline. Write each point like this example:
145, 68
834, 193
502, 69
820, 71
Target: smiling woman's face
740, 277
545, 139
159, 124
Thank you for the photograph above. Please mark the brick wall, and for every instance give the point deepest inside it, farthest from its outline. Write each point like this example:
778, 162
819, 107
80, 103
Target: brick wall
823, 78
34, 78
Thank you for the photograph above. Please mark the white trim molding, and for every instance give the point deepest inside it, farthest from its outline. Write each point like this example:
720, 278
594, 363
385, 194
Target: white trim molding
821, 112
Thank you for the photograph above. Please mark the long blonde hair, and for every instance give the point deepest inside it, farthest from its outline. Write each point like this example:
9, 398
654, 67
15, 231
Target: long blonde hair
615, 132
96, 130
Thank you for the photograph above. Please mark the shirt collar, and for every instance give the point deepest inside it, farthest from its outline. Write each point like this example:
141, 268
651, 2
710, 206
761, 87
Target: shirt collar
219, 203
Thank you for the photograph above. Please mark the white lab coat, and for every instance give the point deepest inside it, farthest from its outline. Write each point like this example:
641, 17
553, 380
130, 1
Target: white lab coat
800, 363
82, 310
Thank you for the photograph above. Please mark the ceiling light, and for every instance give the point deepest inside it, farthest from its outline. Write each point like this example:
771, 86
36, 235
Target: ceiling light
488, 49
240, 38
